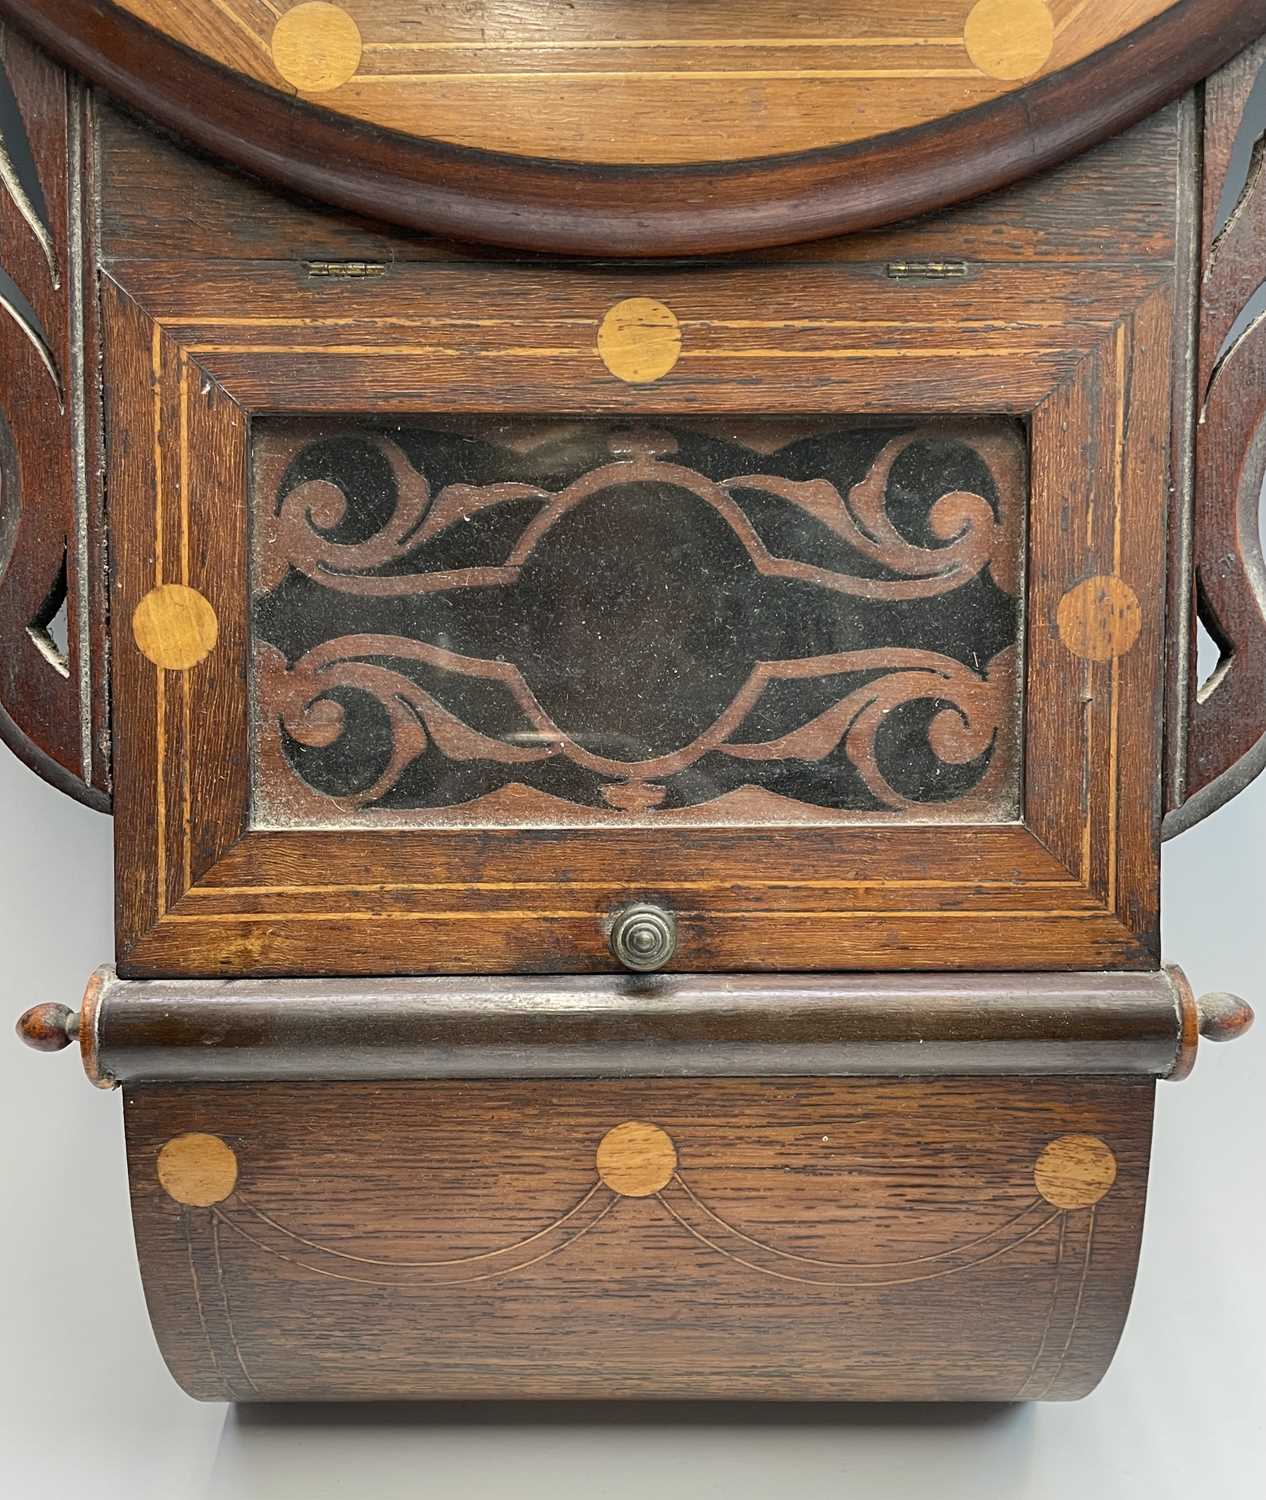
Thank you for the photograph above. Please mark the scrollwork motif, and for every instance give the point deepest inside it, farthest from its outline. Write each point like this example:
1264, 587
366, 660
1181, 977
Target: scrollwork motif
657, 621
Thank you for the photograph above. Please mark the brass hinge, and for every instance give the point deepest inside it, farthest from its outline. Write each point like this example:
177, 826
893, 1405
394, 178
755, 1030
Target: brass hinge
899, 270
345, 270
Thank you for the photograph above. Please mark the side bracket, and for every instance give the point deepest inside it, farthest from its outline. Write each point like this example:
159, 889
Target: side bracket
52, 587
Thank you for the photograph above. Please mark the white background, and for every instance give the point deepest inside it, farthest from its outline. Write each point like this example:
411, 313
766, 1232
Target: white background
87, 1408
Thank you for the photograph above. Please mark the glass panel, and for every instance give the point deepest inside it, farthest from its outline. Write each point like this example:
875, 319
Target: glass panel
561, 622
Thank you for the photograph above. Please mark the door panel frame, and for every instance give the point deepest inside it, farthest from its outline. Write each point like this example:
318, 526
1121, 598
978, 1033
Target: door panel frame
1083, 355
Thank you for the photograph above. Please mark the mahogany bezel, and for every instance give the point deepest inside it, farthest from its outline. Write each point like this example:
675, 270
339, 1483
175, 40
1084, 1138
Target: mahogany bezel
539, 203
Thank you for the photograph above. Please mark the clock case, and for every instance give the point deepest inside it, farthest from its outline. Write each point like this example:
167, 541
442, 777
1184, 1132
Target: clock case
397, 1124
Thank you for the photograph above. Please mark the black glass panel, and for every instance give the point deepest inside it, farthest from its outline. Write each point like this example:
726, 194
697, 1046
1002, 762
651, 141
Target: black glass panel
569, 621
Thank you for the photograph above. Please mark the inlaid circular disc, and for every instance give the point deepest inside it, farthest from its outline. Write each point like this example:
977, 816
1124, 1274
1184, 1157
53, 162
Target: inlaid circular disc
197, 1170
1075, 1171
1100, 618
636, 1159
639, 340
175, 627
616, 127
316, 47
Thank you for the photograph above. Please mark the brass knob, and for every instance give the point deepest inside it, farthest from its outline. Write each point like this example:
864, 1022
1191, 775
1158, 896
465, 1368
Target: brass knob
643, 937
49, 1027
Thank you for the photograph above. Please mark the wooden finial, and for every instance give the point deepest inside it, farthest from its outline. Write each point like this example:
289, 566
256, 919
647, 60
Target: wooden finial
1223, 1017
48, 1027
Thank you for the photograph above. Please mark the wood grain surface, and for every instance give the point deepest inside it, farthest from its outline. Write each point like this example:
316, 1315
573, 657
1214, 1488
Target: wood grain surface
669, 1025
815, 1239
661, 83
201, 891
1225, 743
52, 604
511, 190
1116, 198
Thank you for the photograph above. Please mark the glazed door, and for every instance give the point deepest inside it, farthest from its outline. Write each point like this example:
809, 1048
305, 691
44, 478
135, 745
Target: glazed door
469, 605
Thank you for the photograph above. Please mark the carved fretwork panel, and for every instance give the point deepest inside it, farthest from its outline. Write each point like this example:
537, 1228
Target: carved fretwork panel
51, 584
561, 621
1225, 740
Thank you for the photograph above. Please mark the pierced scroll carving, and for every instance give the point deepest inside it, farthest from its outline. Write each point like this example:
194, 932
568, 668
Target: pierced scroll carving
565, 621
50, 714
1226, 736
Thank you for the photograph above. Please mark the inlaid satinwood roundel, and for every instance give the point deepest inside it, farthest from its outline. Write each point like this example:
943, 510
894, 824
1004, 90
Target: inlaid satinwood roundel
617, 127
175, 626
197, 1169
1075, 1171
636, 1159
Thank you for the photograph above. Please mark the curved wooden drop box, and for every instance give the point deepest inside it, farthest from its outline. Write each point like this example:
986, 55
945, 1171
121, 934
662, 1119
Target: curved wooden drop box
843, 1239
816, 1183
792, 1187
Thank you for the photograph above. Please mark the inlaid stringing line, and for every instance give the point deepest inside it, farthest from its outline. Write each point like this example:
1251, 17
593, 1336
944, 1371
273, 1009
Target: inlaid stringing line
1088, 717
646, 44
228, 1306
522, 352
156, 370
385, 886
455, 1260
1001, 324
674, 75
1114, 731
1120, 333
1078, 914
858, 1285
1050, 1311
1081, 1293
193, 320
1088, 712
441, 1281
243, 25
852, 1265
197, 1301
1087, 729
930, 352
160, 676
185, 685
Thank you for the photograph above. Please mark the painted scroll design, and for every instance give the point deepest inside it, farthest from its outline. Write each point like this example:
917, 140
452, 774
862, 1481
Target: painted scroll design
1226, 740
676, 618
640, 1160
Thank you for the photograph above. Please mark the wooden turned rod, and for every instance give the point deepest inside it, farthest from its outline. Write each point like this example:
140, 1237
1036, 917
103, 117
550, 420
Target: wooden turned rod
642, 1026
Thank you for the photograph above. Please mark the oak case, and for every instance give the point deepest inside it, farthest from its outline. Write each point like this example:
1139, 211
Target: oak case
795, 1167
200, 891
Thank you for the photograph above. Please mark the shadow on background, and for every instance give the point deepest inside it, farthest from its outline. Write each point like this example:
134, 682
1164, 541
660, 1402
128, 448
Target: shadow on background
613, 1449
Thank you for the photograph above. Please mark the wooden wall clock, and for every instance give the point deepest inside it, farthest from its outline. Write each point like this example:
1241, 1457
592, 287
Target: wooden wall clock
630, 580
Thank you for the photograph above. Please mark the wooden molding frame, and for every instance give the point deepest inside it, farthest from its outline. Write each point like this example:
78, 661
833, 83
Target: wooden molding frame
640, 1026
1073, 884
542, 204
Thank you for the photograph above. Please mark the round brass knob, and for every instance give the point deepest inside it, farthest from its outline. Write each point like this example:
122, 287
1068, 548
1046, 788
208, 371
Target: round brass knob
643, 937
